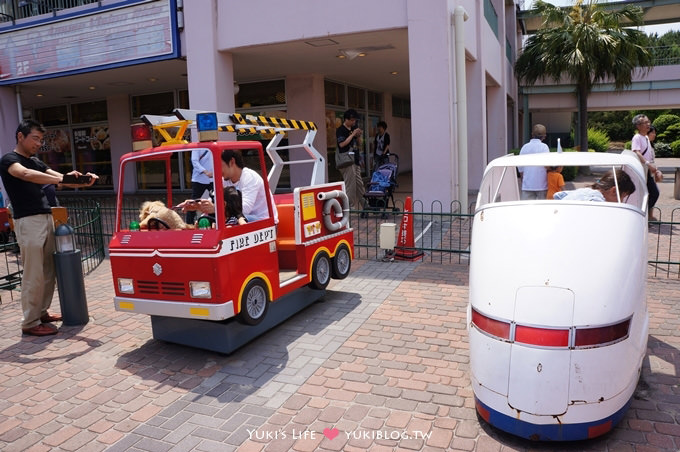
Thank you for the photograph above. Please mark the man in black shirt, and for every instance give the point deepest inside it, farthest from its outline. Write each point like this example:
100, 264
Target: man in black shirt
23, 175
347, 136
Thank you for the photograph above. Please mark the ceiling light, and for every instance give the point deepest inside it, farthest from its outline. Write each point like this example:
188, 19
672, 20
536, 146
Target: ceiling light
39, 95
362, 54
153, 79
341, 56
350, 53
92, 88
394, 72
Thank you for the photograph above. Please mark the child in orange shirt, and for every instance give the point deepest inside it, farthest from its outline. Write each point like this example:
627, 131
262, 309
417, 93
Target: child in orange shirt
555, 181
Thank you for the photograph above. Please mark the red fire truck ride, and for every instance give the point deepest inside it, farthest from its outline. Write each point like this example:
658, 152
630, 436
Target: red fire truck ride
213, 271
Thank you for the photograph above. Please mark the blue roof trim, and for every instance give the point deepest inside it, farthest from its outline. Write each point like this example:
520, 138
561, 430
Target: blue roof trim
91, 69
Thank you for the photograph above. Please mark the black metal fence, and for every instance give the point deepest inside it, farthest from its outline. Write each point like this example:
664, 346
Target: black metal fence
84, 216
443, 236
11, 10
664, 243
439, 234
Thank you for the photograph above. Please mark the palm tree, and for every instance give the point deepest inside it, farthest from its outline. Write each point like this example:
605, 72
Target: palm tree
585, 44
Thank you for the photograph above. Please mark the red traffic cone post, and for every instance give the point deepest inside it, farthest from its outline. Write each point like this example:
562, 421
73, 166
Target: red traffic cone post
404, 251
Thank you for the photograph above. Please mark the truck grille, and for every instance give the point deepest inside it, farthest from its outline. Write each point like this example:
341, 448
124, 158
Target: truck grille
176, 289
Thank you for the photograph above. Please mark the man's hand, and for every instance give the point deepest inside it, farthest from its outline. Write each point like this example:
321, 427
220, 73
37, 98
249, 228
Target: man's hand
204, 205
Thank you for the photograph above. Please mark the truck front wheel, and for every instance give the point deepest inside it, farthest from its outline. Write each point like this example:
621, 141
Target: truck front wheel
321, 271
254, 302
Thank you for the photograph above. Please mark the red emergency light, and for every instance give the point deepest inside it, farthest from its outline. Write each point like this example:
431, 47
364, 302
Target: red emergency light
141, 137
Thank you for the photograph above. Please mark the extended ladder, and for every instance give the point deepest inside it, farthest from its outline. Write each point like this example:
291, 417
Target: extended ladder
250, 125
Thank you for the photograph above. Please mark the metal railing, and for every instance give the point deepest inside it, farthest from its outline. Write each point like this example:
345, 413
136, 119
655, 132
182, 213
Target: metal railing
664, 244
441, 235
84, 215
665, 55
12, 10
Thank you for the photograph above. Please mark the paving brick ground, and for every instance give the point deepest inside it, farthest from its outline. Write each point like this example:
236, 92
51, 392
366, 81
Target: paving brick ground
381, 364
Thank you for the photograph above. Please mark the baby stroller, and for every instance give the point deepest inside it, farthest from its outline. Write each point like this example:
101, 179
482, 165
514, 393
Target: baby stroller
379, 191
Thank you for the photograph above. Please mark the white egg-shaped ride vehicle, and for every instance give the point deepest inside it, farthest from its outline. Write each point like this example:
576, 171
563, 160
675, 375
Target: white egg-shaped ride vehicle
557, 318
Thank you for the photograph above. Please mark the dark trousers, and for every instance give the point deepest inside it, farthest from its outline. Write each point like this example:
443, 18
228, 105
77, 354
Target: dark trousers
653, 190
197, 190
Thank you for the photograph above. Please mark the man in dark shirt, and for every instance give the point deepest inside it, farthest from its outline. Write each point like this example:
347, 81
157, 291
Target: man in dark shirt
23, 175
347, 136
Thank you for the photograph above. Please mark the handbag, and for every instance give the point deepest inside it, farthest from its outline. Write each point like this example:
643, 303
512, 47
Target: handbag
343, 159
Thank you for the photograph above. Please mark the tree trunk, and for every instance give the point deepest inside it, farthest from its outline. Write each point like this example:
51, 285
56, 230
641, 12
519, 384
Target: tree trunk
583, 116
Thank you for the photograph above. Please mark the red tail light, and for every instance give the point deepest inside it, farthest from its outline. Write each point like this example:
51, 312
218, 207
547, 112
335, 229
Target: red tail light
590, 337
545, 337
551, 337
491, 326
141, 132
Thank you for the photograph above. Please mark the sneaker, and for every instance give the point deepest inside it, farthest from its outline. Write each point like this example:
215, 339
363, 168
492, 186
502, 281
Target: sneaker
43, 329
47, 318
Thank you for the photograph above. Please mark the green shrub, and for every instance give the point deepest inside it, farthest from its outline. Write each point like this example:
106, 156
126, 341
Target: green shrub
672, 133
598, 140
675, 147
662, 149
664, 121
628, 145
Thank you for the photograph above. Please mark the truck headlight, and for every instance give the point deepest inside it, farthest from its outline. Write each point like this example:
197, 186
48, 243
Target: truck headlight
200, 289
125, 285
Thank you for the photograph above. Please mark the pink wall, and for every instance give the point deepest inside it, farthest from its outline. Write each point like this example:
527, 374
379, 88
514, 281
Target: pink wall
305, 19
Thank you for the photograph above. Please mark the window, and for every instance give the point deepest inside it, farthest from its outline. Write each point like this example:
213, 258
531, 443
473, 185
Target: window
334, 93
401, 108
183, 101
89, 112
153, 104
356, 98
491, 16
52, 116
375, 101
261, 93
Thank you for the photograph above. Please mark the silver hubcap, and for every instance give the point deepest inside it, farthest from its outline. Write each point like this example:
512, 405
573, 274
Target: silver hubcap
342, 261
255, 302
323, 270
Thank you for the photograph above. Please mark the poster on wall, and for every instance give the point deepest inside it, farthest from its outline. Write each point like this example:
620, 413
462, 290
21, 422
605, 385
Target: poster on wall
56, 152
92, 147
333, 121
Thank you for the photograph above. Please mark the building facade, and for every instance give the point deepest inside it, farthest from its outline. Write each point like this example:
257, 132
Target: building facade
438, 72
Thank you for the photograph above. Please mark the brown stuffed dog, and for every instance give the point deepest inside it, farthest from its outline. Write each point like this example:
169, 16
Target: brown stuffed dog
157, 209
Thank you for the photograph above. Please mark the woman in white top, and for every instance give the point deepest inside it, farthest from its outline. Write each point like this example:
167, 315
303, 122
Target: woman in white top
645, 152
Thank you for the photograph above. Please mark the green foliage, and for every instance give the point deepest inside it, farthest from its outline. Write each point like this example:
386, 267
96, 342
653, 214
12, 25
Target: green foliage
598, 140
671, 134
675, 147
617, 124
662, 149
663, 121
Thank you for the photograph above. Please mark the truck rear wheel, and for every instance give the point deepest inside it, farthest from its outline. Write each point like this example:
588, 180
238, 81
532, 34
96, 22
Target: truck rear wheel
321, 271
254, 302
341, 262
